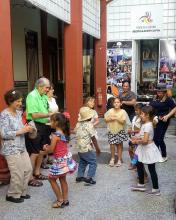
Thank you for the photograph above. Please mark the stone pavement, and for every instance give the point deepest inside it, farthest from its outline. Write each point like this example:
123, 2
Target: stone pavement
110, 199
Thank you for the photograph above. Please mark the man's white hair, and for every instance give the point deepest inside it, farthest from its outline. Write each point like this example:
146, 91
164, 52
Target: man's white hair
42, 82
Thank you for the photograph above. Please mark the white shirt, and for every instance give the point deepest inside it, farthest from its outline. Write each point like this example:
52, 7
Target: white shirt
53, 107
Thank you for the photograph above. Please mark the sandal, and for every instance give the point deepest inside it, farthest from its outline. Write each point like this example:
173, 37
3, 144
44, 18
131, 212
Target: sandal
66, 203
41, 177
35, 183
58, 204
119, 163
111, 163
45, 166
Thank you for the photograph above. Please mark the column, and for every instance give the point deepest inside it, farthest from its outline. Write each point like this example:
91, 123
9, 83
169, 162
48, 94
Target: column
73, 61
100, 59
44, 39
6, 71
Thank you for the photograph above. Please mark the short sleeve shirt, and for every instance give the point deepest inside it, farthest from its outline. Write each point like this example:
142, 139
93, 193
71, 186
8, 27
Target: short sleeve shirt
128, 97
9, 125
84, 132
36, 103
147, 128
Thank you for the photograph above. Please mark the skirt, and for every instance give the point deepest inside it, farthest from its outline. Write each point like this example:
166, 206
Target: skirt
117, 138
148, 154
61, 166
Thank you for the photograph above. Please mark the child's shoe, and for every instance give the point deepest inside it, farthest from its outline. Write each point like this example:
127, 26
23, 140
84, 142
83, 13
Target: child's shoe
119, 163
111, 162
80, 179
155, 192
138, 187
89, 181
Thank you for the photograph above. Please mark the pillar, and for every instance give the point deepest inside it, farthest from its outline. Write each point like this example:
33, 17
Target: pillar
44, 39
73, 61
6, 71
100, 59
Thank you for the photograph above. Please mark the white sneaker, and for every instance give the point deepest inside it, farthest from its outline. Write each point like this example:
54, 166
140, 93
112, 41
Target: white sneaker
164, 159
155, 192
138, 187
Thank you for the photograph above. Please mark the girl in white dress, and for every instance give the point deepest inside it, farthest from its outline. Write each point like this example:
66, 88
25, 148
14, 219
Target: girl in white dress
147, 152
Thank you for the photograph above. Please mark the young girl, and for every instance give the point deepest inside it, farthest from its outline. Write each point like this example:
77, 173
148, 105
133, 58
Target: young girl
62, 161
116, 119
147, 152
134, 132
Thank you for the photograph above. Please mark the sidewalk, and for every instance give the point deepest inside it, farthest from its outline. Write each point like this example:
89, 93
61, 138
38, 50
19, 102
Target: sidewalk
110, 199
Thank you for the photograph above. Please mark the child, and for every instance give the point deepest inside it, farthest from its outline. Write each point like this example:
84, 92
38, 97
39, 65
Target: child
116, 119
85, 139
62, 161
147, 152
90, 102
134, 131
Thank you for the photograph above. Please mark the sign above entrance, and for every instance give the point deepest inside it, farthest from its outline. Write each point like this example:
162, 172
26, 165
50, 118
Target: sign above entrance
146, 21
57, 8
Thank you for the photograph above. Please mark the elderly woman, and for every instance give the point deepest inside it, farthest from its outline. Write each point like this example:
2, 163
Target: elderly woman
165, 108
12, 133
128, 99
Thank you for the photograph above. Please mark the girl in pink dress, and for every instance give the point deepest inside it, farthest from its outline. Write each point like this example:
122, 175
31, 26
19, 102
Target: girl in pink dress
62, 159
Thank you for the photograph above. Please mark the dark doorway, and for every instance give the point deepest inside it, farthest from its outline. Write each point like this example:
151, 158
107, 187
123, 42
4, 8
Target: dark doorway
31, 41
53, 64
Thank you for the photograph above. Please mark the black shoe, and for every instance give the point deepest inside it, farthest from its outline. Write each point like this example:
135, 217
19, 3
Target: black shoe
80, 179
26, 197
89, 181
15, 200
66, 203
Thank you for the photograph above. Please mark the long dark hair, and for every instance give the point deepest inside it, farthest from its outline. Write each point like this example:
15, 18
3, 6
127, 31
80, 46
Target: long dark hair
63, 123
148, 110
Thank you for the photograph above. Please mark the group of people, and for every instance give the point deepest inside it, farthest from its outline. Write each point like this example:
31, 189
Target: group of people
25, 152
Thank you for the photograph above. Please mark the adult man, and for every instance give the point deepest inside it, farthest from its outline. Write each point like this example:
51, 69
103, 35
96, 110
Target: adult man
37, 109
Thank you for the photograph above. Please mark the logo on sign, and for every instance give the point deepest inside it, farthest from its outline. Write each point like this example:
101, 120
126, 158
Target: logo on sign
146, 18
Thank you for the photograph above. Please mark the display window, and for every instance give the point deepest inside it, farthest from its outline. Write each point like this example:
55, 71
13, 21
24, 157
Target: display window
148, 76
167, 70
119, 64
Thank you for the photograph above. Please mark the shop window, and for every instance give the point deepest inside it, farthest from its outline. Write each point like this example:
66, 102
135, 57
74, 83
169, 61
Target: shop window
148, 75
119, 64
167, 70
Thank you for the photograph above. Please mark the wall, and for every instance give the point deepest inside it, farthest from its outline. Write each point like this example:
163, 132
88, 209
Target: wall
91, 17
58, 8
24, 18
119, 19
27, 18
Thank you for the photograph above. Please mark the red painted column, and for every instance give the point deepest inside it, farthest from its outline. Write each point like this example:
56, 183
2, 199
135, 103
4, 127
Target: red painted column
44, 39
100, 59
73, 61
6, 69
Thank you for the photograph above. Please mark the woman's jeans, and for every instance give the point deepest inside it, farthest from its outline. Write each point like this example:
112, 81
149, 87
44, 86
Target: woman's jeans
153, 174
87, 158
159, 133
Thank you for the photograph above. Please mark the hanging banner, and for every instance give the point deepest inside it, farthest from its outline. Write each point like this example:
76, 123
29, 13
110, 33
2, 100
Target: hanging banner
146, 21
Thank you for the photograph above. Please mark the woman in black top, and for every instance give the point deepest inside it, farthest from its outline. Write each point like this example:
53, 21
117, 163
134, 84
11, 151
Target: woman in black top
128, 99
165, 108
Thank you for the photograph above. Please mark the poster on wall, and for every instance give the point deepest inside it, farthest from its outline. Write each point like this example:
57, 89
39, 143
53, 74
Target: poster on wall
119, 64
167, 70
146, 21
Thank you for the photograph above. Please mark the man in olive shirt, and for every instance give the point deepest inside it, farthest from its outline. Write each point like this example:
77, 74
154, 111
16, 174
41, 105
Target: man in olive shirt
37, 109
